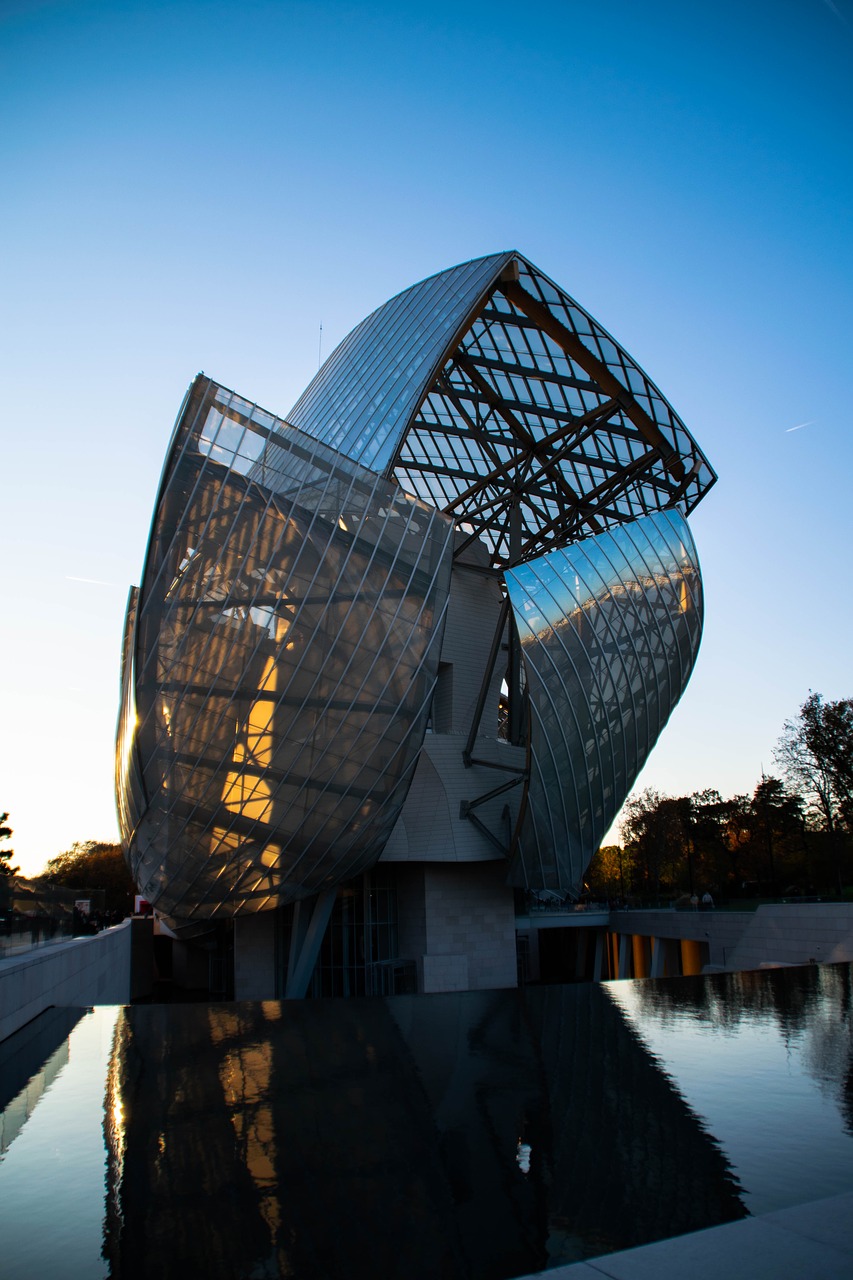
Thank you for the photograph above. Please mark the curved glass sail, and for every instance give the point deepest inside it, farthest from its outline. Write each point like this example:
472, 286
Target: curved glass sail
286, 648
281, 655
363, 398
609, 630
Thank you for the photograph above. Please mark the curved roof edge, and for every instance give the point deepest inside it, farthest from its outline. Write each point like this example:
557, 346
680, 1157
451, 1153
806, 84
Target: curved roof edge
366, 396
363, 397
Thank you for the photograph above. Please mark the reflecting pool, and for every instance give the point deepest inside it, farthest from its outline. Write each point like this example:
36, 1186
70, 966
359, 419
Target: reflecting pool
484, 1134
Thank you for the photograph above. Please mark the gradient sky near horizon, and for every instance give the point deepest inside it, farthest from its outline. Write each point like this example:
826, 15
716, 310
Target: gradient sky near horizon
193, 185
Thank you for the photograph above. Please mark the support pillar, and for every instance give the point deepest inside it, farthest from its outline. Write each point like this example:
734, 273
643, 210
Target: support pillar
310, 918
624, 965
640, 955
691, 956
598, 962
658, 968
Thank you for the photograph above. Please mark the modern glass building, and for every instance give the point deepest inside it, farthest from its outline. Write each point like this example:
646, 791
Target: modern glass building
405, 650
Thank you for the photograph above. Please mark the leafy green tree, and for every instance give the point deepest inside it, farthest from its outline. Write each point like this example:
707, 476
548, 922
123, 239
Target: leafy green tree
95, 864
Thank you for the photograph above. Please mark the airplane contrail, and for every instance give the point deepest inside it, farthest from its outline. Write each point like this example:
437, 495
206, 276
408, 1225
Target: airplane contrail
800, 426
833, 8
96, 582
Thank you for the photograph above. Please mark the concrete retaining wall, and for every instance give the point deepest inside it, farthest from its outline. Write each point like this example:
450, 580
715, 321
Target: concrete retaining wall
781, 933
789, 934
82, 971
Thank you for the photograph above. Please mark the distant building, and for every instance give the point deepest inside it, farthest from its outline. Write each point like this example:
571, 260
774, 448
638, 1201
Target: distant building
401, 654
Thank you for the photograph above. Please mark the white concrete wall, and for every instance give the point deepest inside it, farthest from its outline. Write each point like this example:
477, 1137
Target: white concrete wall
472, 615
82, 971
430, 828
470, 928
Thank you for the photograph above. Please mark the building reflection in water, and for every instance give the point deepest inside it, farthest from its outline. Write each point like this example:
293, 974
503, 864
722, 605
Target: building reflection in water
810, 1005
30, 1061
380, 1138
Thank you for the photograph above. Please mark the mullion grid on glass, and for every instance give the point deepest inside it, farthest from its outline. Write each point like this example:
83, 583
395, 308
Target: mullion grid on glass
541, 656
548, 728
192, 435
330, 481
379, 741
654, 534
405, 332
418, 718
358, 646
284, 694
211, 726
660, 586
423, 320
187, 625
600, 443
316, 521
318, 553
150, 719
648, 590
650, 607
390, 339
606, 614
624, 368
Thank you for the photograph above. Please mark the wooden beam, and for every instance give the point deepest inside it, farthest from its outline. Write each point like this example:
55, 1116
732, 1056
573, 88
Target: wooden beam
597, 370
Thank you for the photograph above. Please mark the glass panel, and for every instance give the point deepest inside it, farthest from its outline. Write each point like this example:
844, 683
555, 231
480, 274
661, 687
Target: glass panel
609, 630
287, 649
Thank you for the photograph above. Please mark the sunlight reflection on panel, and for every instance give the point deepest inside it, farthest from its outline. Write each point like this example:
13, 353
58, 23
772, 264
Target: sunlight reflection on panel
609, 630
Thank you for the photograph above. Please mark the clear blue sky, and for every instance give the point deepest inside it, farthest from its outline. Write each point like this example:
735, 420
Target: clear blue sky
192, 185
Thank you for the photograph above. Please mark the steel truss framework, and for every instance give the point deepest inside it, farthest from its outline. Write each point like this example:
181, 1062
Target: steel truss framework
483, 398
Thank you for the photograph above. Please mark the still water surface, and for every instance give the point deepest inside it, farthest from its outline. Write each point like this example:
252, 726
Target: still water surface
381, 1137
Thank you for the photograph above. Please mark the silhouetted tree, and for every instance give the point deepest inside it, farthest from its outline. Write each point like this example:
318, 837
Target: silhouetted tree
815, 754
95, 864
6, 855
654, 838
605, 877
776, 827
704, 819
6, 868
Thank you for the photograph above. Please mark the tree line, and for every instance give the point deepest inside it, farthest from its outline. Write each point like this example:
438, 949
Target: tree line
88, 865
792, 836
95, 864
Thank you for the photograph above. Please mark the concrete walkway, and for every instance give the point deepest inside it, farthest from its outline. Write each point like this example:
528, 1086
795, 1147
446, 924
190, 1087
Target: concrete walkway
807, 1242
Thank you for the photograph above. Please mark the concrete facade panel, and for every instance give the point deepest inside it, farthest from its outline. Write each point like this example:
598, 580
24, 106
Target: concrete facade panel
488, 940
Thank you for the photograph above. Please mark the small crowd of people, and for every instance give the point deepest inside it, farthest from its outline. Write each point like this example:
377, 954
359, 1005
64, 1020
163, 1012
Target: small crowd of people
87, 923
